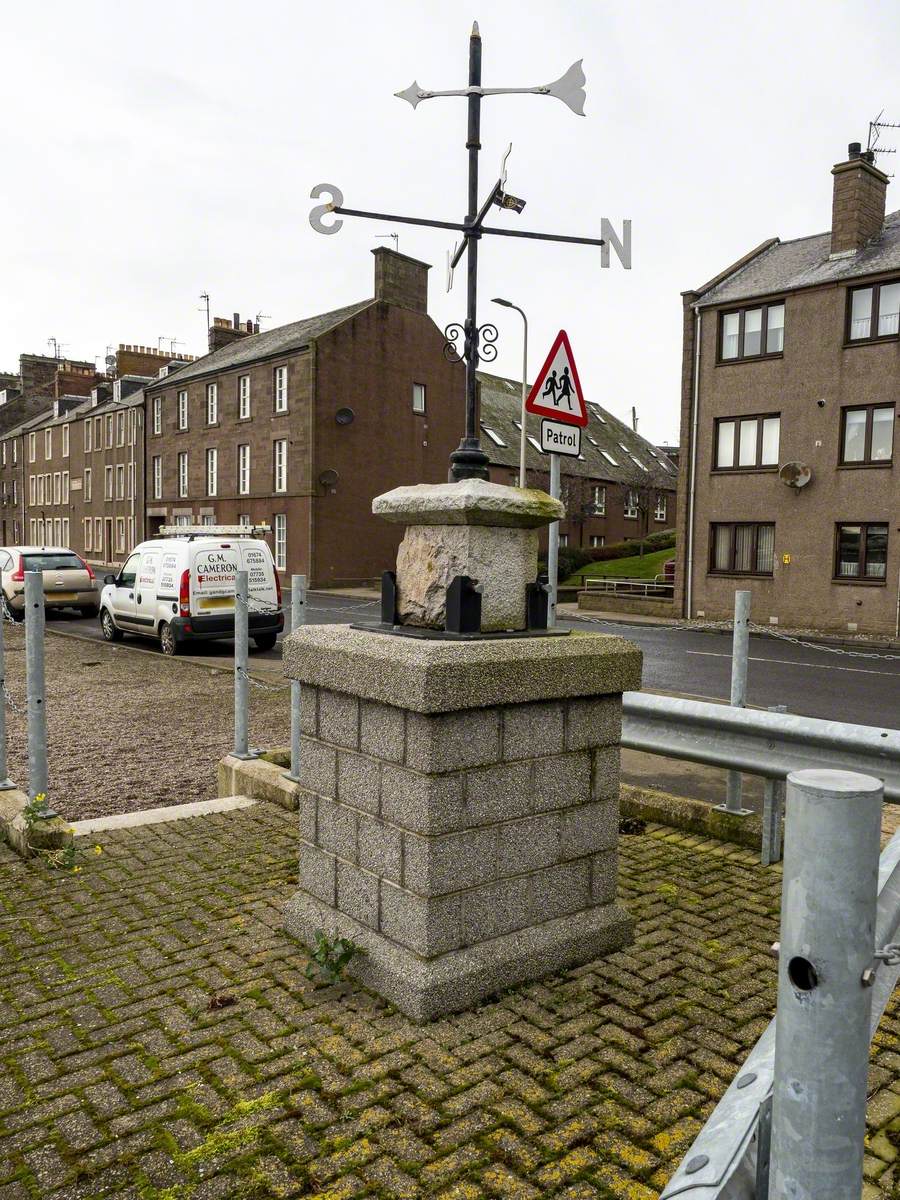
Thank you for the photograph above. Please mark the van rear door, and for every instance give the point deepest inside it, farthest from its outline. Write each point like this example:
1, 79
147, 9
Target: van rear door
256, 559
214, 568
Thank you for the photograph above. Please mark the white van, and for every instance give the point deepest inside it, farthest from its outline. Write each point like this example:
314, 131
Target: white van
179, 587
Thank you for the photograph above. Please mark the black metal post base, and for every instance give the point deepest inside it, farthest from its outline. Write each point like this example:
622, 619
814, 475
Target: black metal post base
468, 461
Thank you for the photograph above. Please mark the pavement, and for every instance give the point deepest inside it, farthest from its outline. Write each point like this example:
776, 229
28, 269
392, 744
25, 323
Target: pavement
159, 1039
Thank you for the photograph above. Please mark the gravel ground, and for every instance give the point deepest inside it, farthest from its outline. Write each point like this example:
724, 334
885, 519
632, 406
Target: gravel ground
130, 730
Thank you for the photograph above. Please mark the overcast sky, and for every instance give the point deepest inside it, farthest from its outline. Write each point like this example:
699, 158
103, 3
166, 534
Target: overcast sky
151, 153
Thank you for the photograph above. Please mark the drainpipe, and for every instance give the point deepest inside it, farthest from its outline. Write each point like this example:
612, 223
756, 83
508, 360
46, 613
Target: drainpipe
695, 405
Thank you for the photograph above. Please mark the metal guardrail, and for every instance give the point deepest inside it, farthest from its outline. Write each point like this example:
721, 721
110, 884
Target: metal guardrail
645, 589
769, 744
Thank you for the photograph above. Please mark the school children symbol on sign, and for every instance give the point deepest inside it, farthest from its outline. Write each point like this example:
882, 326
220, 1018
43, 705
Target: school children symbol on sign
557, 390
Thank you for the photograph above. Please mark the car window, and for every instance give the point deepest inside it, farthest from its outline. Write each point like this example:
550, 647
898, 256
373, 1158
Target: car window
53, 562
5, 561
129, 571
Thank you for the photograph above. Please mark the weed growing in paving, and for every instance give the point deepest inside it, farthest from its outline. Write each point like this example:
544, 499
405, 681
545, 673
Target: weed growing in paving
330, 958
64, 858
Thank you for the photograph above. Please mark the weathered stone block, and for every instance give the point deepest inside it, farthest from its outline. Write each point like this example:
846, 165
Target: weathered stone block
528, 845
318, 768
379, 848
309, 703
307, 812
607, 772
429, 927
561, 781
532, 730
454, 740
336, 829
317, 872
562, 889
497, 908
589, 828
422, 803
358, 781
604, 877
433, 866
339, 718
593, 722
357, 894
382, 731
498, 793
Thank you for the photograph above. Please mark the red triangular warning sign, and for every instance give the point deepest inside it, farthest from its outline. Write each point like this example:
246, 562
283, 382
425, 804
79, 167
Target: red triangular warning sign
557, 390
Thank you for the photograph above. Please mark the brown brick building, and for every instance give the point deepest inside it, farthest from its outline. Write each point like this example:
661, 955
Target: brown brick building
791, 373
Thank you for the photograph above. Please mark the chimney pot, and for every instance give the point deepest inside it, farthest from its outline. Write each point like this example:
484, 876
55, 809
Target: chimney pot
249, 326
237, 321
854, 149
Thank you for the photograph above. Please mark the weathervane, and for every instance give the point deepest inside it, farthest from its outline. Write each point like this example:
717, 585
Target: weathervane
469, 460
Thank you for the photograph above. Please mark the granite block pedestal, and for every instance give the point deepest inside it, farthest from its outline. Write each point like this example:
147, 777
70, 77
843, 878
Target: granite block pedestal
459, 807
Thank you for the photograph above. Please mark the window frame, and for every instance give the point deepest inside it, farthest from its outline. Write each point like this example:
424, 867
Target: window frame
244, 398
712, 569
212, 403
280, 389
875, 314
156, 476
87, 486
182, 410
631, 511
279, 540
279, 490
243, 469
765, 305
419, 390
758, 465
662, 507
156, 415
65, 442
866, 460
860, 580
212, 471
183, 476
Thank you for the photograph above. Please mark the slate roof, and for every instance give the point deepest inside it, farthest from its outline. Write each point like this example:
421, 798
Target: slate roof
501, 403
805, 262
264, 345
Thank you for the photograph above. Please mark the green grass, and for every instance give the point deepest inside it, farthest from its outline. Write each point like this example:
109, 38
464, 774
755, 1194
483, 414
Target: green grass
627, 568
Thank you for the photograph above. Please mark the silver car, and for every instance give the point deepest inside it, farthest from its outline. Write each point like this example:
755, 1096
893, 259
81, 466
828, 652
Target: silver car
68, 580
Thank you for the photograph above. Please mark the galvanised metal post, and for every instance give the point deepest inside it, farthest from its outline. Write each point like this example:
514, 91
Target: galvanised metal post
553, 546
5, 782
773, 810
740, 649
298, 618
827, 941
241, 657
35, 689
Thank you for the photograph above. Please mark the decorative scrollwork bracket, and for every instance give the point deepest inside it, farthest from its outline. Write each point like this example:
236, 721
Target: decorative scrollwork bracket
485, 350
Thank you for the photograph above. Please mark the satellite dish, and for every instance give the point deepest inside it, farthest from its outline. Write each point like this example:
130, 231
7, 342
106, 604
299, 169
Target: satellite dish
795, 474
328, 478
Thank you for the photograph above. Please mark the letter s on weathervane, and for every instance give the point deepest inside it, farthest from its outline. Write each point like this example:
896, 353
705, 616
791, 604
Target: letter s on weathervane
337, 199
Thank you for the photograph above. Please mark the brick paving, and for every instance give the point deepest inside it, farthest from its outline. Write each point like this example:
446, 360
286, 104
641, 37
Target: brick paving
117, 1078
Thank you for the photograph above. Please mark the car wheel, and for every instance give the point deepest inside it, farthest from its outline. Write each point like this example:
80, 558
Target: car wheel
167, 641
11, 614
90, 610
265, 641
108, 627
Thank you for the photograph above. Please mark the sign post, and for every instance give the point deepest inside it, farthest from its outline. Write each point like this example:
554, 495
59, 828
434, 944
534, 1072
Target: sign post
557, 398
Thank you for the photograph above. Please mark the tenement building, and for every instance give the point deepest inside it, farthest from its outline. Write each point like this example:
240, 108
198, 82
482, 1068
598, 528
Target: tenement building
791, 371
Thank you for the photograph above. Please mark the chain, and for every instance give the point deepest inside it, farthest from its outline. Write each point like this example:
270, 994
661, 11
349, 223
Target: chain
11, 704
890, 954
258, 683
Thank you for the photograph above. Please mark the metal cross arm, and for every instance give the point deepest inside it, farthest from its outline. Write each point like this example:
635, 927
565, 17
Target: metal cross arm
569, 88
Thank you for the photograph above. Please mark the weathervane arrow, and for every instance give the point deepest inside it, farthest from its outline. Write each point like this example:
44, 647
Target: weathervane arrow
569, 88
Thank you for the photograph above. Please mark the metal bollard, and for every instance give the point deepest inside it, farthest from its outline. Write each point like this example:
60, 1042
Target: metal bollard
773, 811
298, 618
740, 649
35, 689
822, 1025
5, 782
241, 657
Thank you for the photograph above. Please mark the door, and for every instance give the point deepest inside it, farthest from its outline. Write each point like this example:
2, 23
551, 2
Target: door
110, 549
145, 590
122, 600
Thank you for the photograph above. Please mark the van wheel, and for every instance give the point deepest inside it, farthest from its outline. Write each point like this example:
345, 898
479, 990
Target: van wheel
108, 627
167, 640
265, 641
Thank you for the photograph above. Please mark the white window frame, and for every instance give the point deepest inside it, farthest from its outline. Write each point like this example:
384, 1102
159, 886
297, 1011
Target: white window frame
243, 397
65, 487
244, 469
280, 386
57, 488
65, 531
599, 500
632, 501
108, 484
65, 442
212, 403
40, 489
120, 535
87, 436
120, 481
129, 492
88, 534
280, 537
109, 431
32, 447
156, 413
98, 535
86, 488
32, 490
212, 471
182, 410
419, 399
279, 465
48, 444
598, 541
183, 477
156, 469
120, 428
98, 433
659, 513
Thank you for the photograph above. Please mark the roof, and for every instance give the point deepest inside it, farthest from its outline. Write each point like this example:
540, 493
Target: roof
501, 405
30, 423
263, 345
805, 262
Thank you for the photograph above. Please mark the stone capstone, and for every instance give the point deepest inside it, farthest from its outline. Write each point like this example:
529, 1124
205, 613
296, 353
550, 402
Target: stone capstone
470, 502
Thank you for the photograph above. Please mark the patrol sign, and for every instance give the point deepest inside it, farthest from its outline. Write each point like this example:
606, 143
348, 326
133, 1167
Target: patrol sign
560, 438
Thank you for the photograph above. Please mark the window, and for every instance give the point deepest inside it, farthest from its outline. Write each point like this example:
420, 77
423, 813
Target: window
32, 490
88, 530
109, 431
3, 456
609, 458
867, 435
208, 519
244, 519
132, 426
65, 487
182, 410
183, 473
861, 552
98, 433
87, 436
594, 410
243, 397
156, 413
156, 463
120, 482
86, 486
493, 435
48, 444
563, 539
659, 513
183, 520
32, 447
281, 541
874, 312
212, 471
599, 501
98, 535
597, 540
15, 447
637, 462
131, 531
742, 549
747, 443
418, 398
279, 450
108, 484
120, 429
120, 535
212, 403
631, 504
65, 441
281, 389
534, 442
130, 493
751, 332
243, 470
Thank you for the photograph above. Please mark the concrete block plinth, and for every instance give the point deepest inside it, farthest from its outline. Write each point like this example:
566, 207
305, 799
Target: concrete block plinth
459, 807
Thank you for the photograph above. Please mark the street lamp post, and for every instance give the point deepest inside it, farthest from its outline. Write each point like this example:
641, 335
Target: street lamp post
522, 443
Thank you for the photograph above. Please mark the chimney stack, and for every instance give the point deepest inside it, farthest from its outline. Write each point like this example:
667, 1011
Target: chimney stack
857, 210
401, 280
223, 332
